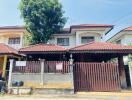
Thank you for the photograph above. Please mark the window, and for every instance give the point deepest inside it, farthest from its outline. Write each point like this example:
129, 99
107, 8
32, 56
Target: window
87, 39
118, 42
63, 41
14, 40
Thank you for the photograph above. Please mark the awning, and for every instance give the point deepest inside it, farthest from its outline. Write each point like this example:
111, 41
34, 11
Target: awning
7, 50
101, 47
42, 49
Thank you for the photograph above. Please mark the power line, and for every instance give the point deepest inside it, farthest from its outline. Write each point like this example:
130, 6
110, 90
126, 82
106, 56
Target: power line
122, 17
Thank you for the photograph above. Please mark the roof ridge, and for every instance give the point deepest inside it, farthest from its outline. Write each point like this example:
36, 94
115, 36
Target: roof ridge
41, 44
101, 45
21, 26
31, 45
126, 28
92, 25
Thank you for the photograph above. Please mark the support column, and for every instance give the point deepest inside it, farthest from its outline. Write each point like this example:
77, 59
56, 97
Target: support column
21, 40
42, 71
122, 72
71, 71
10, 72
130, 72
77, 39
4, 66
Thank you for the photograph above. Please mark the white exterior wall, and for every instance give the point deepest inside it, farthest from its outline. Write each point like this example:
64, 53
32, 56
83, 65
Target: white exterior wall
122, 39
80, 34
72, 40
75, 38
5, 38
127, 39
124, 36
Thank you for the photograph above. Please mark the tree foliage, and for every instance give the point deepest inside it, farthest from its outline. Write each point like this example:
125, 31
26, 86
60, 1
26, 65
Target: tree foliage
42, 18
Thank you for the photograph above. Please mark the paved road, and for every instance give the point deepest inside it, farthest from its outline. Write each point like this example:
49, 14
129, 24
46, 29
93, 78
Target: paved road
75, 97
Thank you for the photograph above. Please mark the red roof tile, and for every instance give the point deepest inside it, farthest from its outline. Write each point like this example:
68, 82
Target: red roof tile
5, 49
100, 46
128, 28
43, 48
12, 27
92, 25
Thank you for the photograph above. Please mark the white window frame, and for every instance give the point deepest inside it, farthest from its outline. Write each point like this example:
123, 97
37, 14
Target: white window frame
87, 40
65, 41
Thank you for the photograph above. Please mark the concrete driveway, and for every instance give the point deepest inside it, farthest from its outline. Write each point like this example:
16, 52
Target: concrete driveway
81, 96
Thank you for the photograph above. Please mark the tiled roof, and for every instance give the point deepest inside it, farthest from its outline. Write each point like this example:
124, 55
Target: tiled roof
128, 28
101, 46
11, 27
43, 48
5, 49
92, 25
82, 26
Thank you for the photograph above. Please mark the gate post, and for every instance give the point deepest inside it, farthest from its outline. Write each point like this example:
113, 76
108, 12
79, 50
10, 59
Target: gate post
130, 71
71, 71
42, 71
122, 72
10, 72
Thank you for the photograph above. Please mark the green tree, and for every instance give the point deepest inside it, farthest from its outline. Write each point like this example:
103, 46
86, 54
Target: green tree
42, 18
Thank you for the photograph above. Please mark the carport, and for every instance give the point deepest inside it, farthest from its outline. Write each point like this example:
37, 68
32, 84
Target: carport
94, 69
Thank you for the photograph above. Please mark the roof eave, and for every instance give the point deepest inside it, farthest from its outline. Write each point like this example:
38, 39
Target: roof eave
102, 51
42, 52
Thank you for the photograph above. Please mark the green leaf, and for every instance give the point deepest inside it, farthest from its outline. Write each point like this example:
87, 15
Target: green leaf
42, 18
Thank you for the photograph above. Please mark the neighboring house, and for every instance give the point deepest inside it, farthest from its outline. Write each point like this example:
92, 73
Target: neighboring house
123, 37
6, 53
80, 34
12, 36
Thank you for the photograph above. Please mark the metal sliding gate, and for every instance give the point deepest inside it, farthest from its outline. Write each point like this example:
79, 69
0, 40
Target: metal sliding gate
96, 77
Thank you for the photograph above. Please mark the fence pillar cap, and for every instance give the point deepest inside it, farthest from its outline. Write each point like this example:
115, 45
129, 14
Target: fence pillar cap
11, 60
42, 60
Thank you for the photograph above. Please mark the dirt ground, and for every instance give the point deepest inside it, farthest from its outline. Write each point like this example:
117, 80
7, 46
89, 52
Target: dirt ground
68, 97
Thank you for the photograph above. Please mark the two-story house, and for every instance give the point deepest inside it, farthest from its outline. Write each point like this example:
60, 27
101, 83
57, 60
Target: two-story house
12, 36
80, 34
123, 37
69, 37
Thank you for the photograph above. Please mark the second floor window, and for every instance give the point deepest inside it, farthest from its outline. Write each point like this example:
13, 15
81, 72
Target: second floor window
63, 41
87, 39
14, 40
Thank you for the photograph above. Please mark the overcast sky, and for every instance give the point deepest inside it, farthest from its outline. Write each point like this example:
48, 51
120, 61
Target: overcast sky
116, 12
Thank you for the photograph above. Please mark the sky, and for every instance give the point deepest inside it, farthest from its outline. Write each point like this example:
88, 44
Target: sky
115, 12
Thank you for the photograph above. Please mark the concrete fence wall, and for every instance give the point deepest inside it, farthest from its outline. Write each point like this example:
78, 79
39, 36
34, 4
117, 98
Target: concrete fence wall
47, 77
40, 78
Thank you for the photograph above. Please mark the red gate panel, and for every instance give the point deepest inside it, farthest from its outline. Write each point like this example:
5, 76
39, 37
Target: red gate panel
96, 77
